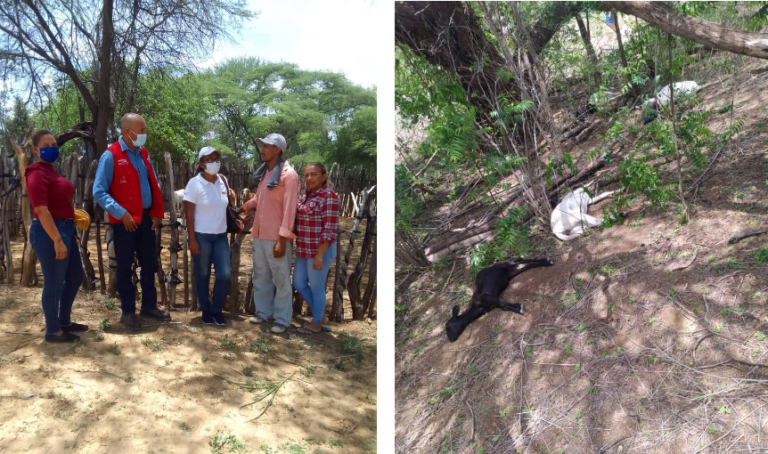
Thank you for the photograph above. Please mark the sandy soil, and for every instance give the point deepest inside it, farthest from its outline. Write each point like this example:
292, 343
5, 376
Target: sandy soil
646, 337
180, 387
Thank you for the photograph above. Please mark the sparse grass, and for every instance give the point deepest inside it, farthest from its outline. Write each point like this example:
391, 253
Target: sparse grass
351, 345
8, 303
227, 441
308, 371
109, 303
228, 343
103, 324
761, 255
259, 346
294, 447
115, 349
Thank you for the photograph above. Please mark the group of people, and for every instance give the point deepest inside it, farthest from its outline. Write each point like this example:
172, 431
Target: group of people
126, 187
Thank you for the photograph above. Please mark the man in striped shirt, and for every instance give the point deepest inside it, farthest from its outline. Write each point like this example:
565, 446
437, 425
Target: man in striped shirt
272, 231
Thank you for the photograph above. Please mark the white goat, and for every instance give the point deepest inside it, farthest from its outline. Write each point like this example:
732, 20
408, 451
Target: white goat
688, 87
178, 201
570, 219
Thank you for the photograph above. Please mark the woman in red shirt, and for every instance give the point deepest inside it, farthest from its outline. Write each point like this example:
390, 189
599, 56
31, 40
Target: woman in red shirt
52, 236
317, 224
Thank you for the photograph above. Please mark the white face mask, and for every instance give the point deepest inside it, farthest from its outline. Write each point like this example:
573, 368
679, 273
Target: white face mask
140, 140
212, 168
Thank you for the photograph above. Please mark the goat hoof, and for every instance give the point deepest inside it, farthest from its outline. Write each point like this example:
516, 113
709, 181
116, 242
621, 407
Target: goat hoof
522, 310
550, 262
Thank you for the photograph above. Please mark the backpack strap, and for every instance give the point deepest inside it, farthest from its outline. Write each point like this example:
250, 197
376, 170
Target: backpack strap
224, 179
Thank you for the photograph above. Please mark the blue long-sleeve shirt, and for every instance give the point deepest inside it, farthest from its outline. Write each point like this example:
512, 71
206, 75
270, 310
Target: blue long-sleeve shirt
103, 180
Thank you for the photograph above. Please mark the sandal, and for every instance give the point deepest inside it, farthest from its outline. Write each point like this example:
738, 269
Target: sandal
305, 330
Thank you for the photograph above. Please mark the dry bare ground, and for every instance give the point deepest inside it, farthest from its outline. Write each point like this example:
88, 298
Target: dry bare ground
181, 387
646, 337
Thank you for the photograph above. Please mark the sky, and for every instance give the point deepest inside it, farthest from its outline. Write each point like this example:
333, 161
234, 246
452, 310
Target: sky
334, 35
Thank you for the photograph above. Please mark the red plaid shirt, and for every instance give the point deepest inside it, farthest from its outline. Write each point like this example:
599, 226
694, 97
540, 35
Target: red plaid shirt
317, 221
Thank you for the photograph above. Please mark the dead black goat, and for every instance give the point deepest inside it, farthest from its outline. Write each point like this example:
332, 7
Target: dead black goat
489, 284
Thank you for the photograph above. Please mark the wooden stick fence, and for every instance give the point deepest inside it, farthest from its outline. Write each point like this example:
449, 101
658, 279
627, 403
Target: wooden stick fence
350, 184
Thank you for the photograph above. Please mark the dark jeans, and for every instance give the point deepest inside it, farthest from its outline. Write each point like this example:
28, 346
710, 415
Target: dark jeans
142, 243
214, 248
61, 278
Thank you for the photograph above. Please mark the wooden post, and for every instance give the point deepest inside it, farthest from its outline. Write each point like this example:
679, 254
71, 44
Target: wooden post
185, 171
337, 310
234, 262
353, 285
112, 261
174, 248
98, 220
28, 274
159, 246
89, 276
370, 290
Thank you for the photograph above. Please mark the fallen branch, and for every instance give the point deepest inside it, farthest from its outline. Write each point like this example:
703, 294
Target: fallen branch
580, 127
583, 135
737, 238
426, 165
271, 391
127, 379
472, 438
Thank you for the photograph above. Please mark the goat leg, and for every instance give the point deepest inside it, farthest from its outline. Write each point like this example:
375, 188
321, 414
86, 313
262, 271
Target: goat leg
601, 197
514, 307
535, 264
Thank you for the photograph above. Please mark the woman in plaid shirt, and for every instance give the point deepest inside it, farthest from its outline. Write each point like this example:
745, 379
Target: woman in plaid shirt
317, 226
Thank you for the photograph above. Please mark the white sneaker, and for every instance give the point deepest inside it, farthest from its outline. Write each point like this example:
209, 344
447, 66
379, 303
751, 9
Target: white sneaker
278, 329
256, 319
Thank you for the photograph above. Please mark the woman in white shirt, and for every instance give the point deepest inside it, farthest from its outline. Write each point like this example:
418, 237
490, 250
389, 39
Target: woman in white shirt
205, 200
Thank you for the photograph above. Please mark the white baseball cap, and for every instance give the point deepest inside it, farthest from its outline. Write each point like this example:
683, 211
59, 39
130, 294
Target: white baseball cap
205, 151
274, 139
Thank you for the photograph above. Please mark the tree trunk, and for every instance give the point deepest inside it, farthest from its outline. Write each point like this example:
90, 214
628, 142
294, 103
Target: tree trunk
449, 35
618, 37
89, 279
587, 40
28, 273
701, 31
103, 116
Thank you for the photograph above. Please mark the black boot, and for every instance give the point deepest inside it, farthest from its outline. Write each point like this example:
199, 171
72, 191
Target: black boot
131, 322
65, 337
156, 314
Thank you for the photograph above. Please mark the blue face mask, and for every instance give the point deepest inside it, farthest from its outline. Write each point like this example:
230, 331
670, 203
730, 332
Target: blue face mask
49, 154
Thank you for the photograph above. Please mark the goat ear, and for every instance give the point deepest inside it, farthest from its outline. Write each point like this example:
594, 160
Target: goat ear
455, 311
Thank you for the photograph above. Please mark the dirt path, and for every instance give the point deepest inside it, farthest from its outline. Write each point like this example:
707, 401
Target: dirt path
181, 387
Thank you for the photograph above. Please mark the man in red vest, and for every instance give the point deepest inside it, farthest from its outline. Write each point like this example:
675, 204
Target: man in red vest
126, 187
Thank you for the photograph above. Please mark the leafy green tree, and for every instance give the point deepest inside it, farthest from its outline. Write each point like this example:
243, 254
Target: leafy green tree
177, 110
311, 109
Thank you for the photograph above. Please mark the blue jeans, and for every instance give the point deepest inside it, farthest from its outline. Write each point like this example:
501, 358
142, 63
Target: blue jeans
141, 243
310, 283
61, 278
272, 294
214, 248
